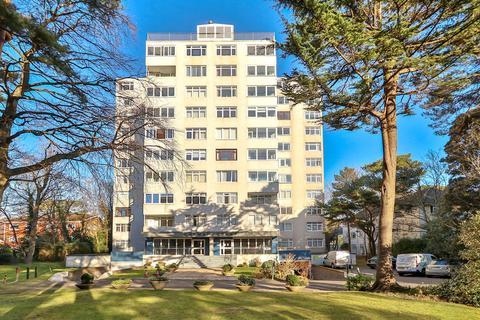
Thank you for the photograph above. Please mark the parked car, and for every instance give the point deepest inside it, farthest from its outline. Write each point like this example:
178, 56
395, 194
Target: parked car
441, 268
372, 262
413, 263
337, 259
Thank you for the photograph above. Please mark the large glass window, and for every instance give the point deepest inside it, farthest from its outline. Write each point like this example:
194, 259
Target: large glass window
314, 178
156, 198
227, 50
261, 50
226, 70
261, 70
196, 198
196, 112
312, 131
196, 133
165, 51
227, 176
196, 91
161, 176
161, 91
261, 133
313, 162
261, 91
226, 197
262, 154
262, 176
196, 176
196, 50
164, 112
172, 246
226, 133
262, 112
196, 71
314, 226
226, 112
226, 91
196, 154
226, 154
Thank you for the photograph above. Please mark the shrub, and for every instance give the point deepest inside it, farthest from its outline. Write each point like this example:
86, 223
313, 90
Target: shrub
86, 278
408, 245
79, 247
296, 281
359, 282
6, 255
160, 265
267, 268
202, 283
148, 264
172, 266
256, 262
243, 264
245, 280
228, 267
121, 282
159, 278
285, 268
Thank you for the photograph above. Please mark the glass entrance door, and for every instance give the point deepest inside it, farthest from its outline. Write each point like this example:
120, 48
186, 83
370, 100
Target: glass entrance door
226, 246
198, 246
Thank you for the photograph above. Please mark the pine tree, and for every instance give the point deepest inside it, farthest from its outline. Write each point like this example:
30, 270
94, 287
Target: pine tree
363, 63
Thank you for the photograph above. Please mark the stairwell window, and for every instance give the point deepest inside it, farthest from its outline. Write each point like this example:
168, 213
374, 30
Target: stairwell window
314, 194
285, 178
285, 162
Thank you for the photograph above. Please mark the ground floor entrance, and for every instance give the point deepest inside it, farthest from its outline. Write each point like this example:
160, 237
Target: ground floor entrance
214, 246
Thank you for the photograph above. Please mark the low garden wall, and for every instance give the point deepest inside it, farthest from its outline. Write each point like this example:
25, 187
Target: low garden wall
87, 260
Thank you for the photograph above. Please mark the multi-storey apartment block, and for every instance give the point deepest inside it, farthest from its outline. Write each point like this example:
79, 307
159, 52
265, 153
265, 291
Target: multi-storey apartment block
247, 166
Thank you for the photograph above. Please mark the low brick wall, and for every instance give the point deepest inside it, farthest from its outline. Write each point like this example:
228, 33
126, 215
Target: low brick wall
324, 273
88, 261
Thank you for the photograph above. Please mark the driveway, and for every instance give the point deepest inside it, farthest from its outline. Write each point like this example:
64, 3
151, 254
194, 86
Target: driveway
407, 280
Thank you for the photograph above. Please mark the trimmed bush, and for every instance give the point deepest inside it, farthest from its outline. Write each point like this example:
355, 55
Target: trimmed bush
160, 278
408, 245
228, 267
6, 255
245, 280
86, 278
202, 283
359, 282
296, 281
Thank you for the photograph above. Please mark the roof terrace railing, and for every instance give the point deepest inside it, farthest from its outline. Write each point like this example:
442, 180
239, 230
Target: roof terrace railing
179, 36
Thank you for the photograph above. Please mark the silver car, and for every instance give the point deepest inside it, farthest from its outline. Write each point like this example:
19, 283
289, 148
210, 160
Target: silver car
440, 268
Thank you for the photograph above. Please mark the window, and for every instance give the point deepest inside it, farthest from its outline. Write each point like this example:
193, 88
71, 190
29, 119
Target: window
313, 162
285, 178
226, 50
314, 226
282, 100
196, 51
211, 31
196, 133
196, 91
285, 243
262, 176
285, 162
226, 133
261, 133
196, 71
226, 154
196, 198
283, 146
272, 220
195, 220
261, 91
283, 115
159, 222
262, 154
283, 131
159, 154
226, 220
122, 212
255, 219
122, 178
226, 91
162, 176
161, 92
312, 146
262, 112
285, 226
315, 243
122, 227
159, 133
165, 112
314, 211
227, 197
262, 199
285, 194
196, 154
124, 163
228, 70
196, 176
227, 176
314, 194
196, 112
121, 244
261, 70
165, 51
158, 198
312, 131
314, 178
312, 115
126, 86
261, 50
286, 210
226, 112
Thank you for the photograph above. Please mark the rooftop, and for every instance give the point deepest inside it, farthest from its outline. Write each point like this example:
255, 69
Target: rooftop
191, 36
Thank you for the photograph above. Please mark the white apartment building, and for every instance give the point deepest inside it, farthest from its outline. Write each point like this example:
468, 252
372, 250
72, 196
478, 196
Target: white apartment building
250, 165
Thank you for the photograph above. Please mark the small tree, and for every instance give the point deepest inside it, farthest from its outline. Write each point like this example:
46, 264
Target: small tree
364, 63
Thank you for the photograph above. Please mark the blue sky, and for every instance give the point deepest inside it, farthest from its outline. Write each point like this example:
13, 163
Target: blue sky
342, 148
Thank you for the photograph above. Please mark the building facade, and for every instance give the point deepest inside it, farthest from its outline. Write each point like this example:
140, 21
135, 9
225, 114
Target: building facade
235, 169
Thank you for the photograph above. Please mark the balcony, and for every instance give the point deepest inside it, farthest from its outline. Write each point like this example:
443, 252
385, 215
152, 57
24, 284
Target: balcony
174, 36
161, 71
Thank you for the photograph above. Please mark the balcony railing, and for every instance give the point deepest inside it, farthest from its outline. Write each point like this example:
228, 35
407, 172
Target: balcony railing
178, 36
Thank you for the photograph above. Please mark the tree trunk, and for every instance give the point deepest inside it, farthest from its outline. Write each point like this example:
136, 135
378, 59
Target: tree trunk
385, 279
32, 241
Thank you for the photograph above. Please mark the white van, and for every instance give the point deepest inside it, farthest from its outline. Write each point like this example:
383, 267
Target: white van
413, 262
337, 259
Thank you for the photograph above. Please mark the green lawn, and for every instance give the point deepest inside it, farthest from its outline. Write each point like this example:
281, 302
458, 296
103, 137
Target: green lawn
131, 273
64, 304
250, 271
45, 270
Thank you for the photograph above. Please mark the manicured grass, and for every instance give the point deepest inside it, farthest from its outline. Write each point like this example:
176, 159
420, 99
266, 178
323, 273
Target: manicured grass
44, 270
131, 273
220, 305
249, 271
